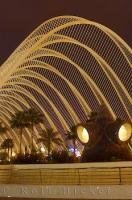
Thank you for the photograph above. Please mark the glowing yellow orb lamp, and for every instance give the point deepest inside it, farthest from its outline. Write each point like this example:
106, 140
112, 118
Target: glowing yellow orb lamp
125, 132
82, 134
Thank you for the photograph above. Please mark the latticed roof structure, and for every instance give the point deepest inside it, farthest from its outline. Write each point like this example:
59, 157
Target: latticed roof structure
67, 67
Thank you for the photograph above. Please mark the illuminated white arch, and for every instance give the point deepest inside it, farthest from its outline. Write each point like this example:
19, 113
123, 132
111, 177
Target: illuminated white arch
24, 62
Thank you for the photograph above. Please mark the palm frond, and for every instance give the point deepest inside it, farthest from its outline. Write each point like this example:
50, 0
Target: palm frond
57, 141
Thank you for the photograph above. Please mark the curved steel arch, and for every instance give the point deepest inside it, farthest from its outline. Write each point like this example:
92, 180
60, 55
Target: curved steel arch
22, 81
51, 68
11, 102
85, 75
31, 58
43, 79
28, 94
123, 88
97, 57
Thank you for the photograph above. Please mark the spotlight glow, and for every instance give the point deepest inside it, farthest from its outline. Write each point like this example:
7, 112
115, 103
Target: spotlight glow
125, 132
82, 134
42, 149
77, 152
13, 154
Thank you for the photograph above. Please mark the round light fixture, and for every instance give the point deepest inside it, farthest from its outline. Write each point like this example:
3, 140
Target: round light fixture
125, 132
82, 134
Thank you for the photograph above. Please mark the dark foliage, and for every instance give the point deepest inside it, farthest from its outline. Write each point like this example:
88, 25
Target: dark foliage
3, 158
29, 159
63, 157
60, 157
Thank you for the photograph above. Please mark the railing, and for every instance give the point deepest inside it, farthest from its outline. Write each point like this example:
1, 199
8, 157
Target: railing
114, 173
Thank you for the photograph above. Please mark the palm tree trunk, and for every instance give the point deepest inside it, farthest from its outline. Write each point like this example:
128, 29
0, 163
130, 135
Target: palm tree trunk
32, 138
8, 153
20, 141
11, 151
49, 148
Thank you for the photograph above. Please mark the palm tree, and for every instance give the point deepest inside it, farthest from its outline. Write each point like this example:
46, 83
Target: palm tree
8, 144
3, 129
49, 139
19, 121
71, 135
92, 116
33, 117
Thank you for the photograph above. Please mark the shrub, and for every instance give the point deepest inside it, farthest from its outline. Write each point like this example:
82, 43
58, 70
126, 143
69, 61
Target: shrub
29, 159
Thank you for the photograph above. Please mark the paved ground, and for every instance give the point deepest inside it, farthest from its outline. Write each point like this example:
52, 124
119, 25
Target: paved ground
2, 198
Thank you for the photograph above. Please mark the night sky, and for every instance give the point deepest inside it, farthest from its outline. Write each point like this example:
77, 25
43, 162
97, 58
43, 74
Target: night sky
18, 18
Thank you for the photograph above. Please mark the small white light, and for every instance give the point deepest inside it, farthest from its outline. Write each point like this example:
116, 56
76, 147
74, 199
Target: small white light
13, 154
125, 132
42, 149
130, 147
78, 154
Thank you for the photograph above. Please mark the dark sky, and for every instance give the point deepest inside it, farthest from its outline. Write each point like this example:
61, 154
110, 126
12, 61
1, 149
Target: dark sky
18, 18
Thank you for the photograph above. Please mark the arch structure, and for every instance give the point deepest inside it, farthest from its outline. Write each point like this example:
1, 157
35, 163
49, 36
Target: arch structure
65, 68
